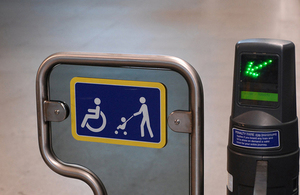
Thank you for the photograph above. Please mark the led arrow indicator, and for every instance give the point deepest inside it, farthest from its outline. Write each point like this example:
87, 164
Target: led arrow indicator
253, 70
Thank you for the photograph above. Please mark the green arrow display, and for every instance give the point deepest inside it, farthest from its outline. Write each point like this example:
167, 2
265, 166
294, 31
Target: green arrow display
253, 70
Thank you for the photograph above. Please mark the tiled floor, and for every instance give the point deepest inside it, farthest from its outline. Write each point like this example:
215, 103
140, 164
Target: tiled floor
203, 33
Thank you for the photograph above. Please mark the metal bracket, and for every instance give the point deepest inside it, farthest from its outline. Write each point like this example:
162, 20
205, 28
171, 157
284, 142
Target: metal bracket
180, 121
55, 111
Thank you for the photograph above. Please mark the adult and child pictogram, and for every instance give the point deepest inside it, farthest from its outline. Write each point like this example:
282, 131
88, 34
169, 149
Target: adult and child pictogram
145, 119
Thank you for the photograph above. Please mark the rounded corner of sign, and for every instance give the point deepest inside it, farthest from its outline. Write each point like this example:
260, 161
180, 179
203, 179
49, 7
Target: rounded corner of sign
161, 86
162, 144
152, 145
74, 80
74, 132
163, 141
76, 136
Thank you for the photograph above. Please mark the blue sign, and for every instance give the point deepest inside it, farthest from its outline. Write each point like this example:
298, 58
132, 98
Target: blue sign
118, 111
255, 139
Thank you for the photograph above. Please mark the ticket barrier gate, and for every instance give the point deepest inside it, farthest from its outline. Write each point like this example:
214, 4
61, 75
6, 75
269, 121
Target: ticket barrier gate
102, 118
263, 154
263, 149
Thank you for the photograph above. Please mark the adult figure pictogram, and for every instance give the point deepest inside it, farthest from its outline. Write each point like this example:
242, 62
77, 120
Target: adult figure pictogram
145, 120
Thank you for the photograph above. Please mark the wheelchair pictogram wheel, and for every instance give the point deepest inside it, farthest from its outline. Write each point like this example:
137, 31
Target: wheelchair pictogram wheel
96, 130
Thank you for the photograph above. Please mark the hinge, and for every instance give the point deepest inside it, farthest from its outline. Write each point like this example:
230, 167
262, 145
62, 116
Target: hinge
55, 111
180, 121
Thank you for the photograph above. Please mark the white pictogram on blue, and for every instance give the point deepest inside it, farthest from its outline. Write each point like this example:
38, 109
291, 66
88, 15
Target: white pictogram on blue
145, 120
94, 114
144, 110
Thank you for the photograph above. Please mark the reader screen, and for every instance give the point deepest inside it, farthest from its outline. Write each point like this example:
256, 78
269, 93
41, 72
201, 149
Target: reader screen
259, 80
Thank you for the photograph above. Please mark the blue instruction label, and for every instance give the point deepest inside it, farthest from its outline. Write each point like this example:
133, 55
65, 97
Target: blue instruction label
255, 139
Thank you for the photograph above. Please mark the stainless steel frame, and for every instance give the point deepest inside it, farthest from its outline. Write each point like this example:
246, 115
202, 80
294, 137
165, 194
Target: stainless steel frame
120, 60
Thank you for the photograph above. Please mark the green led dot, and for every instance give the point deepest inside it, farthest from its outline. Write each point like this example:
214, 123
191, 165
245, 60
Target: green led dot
270, 61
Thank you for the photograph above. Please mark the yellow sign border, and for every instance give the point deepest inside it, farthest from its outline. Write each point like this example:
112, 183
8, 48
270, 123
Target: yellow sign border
163, 127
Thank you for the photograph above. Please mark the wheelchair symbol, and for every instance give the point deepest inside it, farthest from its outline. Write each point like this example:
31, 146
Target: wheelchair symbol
96, 113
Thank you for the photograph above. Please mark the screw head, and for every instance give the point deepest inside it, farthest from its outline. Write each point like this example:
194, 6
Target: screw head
56, 112
177, 122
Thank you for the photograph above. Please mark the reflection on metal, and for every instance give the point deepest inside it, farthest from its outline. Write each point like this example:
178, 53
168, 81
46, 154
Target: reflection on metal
180, 121
55, 111
261, 177
117, 60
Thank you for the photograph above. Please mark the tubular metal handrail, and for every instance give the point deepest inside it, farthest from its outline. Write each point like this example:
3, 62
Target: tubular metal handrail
121, 60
